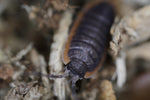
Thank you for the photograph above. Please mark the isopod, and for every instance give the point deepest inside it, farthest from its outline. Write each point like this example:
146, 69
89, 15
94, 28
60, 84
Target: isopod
85, 50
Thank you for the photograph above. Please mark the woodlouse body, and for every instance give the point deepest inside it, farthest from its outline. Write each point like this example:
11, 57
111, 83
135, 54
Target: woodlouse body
89, 37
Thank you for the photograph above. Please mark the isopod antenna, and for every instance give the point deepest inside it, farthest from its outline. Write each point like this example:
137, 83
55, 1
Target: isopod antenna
65, 74
74, 79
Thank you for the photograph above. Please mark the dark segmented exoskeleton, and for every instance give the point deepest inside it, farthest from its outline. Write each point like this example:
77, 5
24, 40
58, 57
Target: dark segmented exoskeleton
89, 37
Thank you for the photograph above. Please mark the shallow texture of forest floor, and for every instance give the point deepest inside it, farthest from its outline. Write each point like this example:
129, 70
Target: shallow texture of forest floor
32, 38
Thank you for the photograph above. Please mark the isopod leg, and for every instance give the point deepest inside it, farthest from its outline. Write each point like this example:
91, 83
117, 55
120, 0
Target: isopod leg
73, 88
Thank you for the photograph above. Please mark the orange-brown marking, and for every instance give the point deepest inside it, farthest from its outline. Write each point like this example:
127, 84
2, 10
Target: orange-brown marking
66, 58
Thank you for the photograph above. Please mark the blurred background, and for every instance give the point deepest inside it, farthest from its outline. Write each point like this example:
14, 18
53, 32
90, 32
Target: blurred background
30, 31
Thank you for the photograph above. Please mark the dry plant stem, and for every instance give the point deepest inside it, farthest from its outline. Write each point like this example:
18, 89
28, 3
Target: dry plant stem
130, 30
43, 70
18, 63
55, 61
23, 52
121, 69
40, 66
106, 91
141, 51
45, 80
